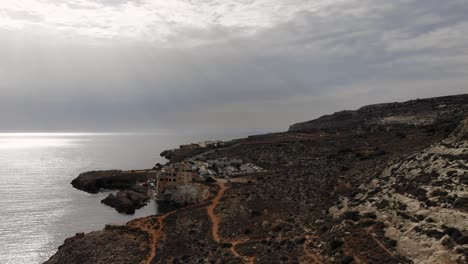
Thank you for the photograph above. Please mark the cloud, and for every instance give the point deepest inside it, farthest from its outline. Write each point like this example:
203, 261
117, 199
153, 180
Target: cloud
151, 20
239, 65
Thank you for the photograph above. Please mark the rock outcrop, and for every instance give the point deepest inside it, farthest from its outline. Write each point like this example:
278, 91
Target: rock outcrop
116, 245
126, 201
93, 181
438, 113
423, 200
186, 194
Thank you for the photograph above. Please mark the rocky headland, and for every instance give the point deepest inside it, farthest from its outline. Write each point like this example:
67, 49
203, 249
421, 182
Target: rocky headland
128, 197
383, 184
95, 181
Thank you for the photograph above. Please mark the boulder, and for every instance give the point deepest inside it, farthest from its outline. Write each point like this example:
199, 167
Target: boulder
126, 201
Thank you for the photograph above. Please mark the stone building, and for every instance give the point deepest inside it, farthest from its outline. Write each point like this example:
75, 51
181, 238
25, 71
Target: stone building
175, 175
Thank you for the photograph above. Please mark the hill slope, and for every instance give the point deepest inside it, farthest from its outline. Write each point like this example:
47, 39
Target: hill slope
421, 112
390, 194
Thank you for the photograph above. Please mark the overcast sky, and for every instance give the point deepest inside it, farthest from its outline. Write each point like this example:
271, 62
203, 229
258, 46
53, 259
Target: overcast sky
216, 65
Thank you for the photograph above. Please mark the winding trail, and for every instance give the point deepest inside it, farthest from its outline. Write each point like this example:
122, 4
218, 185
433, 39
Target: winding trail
155, 234
215, 223
155, 231
214, 218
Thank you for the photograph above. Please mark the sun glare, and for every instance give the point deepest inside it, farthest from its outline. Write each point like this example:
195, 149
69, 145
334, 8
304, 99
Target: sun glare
40, 140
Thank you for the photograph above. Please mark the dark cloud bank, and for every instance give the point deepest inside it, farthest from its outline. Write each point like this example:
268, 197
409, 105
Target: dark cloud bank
377, 51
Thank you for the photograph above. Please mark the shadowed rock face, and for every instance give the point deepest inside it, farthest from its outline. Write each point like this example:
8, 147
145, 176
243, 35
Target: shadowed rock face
447, 111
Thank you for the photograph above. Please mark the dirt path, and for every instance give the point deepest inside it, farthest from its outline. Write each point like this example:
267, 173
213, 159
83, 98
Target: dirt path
155, 234
214, 218
155, 231
249, 260
215, 222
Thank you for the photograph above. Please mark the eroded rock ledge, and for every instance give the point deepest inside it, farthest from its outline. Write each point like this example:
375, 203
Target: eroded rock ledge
94, 181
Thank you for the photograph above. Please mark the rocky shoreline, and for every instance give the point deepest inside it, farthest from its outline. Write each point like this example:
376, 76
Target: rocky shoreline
95, 181
128, 197
382, 184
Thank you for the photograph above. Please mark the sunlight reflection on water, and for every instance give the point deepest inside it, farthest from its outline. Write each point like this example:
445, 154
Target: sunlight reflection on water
39, 206
36, 142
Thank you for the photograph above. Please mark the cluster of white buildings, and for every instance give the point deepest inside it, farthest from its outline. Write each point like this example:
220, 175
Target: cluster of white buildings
180, 175
203, 144
224, 168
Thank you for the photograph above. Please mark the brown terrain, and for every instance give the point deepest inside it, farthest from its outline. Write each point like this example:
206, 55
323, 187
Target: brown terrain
383, 184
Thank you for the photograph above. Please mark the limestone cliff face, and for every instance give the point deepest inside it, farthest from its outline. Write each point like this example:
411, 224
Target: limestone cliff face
423, 200
441, 111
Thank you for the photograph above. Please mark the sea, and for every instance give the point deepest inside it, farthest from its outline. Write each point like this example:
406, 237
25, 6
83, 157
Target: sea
39, 208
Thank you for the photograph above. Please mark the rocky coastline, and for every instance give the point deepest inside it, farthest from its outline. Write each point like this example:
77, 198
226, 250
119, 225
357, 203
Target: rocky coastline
95, 181
128, 197
382, 184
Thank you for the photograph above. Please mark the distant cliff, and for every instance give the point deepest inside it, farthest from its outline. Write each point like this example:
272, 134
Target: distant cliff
439, 112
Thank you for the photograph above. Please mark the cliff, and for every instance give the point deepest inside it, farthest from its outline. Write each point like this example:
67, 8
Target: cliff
389, 194
439, 113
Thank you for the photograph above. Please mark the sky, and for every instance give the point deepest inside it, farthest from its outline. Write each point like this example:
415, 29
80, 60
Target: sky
212, 65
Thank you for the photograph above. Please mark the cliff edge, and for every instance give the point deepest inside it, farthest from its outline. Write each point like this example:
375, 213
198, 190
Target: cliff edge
439, 113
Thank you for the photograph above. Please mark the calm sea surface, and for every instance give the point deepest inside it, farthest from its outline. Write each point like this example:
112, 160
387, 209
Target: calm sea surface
39, 207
